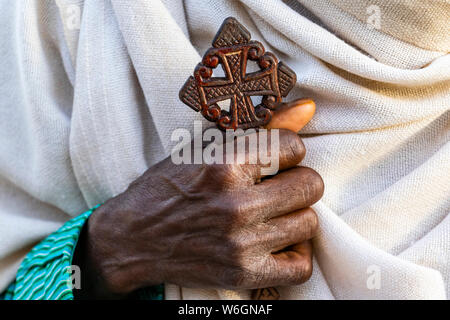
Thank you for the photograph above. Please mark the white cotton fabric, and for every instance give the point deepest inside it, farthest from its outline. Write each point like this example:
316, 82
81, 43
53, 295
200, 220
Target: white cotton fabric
85, 111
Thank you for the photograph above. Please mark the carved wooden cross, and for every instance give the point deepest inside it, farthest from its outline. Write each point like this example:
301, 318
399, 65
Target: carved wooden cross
232, 48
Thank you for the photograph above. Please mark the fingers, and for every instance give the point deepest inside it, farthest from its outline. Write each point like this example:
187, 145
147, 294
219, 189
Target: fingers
287, 151
291, 267
288, 191
292, 150
296, 263
293, 115
284, 150
292, 229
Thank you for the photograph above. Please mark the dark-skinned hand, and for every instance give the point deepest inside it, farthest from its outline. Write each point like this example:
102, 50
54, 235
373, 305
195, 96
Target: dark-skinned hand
208, 226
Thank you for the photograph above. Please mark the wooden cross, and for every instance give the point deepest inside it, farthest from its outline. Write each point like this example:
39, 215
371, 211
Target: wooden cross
232, 48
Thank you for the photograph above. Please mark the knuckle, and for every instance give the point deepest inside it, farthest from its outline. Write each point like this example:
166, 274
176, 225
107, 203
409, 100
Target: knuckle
314, 182
307, 270
295, 145
312, 222
319, 185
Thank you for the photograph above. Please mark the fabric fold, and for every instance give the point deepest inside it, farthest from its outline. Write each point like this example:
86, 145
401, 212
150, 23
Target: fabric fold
85, 111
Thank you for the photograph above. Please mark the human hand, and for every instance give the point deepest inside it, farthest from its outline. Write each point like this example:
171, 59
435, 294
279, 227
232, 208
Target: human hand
217, 226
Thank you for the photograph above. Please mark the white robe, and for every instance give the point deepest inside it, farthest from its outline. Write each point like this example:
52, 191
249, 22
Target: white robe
87, 108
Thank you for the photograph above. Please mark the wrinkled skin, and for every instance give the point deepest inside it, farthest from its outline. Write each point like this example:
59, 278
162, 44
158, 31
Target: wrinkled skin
209, 226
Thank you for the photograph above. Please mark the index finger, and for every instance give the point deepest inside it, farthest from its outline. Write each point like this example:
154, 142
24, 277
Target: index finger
285, 150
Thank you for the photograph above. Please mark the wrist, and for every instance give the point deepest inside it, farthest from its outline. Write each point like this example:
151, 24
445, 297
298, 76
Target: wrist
109, 260
95, 279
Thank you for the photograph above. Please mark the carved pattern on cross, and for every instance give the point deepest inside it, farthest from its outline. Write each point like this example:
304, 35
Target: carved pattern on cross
232, 49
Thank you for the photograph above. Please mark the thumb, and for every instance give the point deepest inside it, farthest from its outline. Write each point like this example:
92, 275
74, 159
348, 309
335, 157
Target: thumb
292, 115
